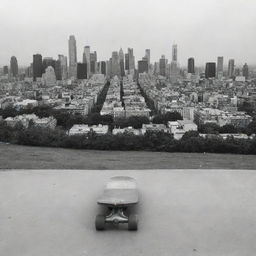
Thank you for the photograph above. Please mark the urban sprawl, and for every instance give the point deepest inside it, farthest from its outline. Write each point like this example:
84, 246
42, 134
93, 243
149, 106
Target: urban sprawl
161, 97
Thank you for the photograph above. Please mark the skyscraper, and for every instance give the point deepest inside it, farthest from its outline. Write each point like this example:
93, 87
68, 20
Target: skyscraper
115, 67
63, 66
220, 61
103, 68
5, 70
191, 65
143, 65
58, 70
37, 66
174, 52
131, 60
108, 67
93, 61
14, 66
231, 67
121, 60
81, 70
87, 59
174, 63
126, 61
246, 71
48, 61
210, 70
162, 66
72, 56
147, 55
237, 72
29, 71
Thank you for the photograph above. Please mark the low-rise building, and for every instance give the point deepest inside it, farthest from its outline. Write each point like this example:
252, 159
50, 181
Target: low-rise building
129, 130
154, 128
46, 122
83, 129
31, 119
26, 104
208, 115
180, 127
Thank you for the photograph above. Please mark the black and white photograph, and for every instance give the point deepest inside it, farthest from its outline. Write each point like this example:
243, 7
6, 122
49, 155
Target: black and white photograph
127, 127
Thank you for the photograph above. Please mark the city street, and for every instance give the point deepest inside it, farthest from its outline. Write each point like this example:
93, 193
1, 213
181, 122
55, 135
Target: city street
181, 212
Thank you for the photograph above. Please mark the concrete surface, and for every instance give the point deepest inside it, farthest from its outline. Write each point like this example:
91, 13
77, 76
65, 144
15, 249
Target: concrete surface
182, 212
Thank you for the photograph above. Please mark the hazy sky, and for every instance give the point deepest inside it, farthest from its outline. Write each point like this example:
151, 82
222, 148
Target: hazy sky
203, 29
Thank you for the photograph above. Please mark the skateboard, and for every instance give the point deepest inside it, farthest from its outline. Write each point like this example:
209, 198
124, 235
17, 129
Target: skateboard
120, 193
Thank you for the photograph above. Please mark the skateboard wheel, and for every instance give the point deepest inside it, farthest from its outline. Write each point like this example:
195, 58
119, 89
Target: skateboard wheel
133, 222
100, 222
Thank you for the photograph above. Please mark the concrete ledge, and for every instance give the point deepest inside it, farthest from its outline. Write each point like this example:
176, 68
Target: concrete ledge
182, 212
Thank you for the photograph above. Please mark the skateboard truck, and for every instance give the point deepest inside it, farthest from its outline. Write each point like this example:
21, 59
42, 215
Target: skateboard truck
116, 216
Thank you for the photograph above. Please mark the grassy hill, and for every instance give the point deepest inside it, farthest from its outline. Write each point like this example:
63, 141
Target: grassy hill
25, 157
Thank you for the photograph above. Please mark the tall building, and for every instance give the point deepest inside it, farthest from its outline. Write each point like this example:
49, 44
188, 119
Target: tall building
58, 70
14, 66
81, 70
37, 66
103, 68
93, 61
48, 61
87, 59
246, 71
210, 70
29, 71
143, 66
131, 60
174, 52
147, 55
72, 56
231, 67
191, 65
63, 66
220, 61
162, 66
174, 72
108, 67
126, 61
237, 72
5, 70
115, 67
121, 60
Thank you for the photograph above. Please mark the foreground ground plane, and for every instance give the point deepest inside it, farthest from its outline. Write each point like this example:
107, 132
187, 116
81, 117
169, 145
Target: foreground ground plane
181, 212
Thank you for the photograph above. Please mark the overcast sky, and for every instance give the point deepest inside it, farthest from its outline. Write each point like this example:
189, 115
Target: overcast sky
203, 29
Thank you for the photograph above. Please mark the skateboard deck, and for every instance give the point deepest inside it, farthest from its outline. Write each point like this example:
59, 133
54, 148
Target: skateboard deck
120, 191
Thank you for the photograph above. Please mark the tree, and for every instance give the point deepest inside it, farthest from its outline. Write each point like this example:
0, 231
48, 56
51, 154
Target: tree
158, 119
251, 128
209, 128
137, 121
190, 134
169, 116
228, 128
173, 116
246, 107
134, 121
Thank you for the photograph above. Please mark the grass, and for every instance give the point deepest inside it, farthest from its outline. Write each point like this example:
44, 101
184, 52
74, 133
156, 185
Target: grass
26, 157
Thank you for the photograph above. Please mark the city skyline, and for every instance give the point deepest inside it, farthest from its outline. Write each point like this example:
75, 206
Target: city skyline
203, 30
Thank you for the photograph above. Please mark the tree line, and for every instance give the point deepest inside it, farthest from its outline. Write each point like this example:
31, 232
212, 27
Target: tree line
150, 141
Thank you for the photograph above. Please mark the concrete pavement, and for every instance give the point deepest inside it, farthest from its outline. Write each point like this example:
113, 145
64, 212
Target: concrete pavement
182, 212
